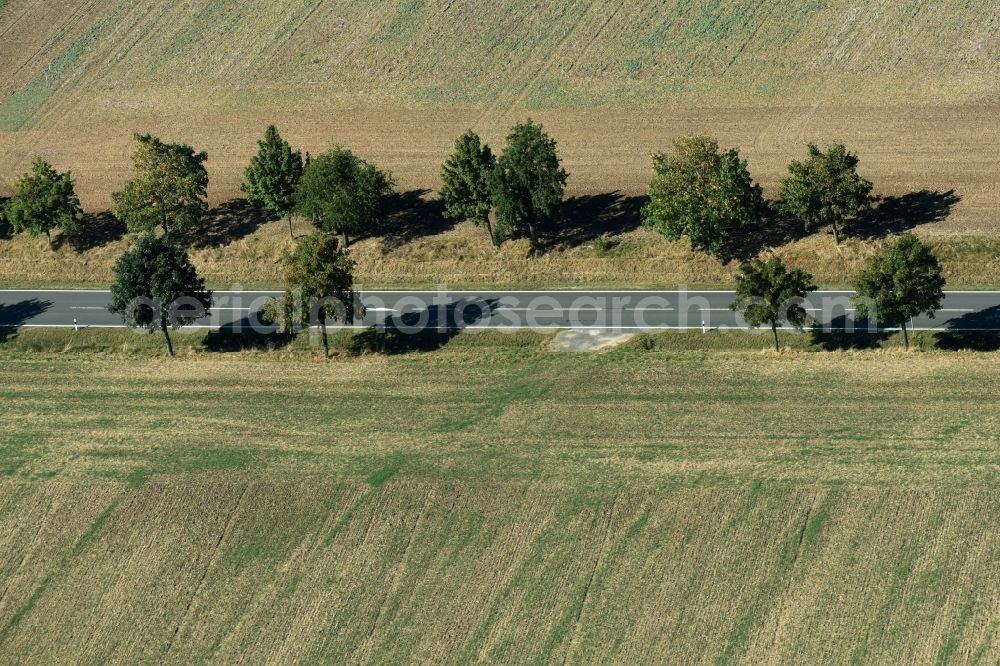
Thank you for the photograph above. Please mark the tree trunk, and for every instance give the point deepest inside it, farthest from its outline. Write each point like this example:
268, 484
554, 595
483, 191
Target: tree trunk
489, 230
48, 234
166, 335
322, 328
836, 233
533, 233
291, 234
906, 338
774, 332
345, 239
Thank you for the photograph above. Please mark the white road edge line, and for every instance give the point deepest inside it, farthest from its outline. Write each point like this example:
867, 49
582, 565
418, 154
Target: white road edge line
555, 327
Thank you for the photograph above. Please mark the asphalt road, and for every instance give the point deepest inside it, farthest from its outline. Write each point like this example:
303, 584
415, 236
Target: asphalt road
628, 310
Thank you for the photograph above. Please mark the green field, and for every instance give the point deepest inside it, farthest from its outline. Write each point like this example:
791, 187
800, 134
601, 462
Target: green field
513, 54
491, 500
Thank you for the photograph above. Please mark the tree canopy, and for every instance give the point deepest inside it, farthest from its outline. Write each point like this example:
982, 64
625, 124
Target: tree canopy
769, 293
825, 189
703, 193
156, 286
465, 180
342, 194
273, 175
43, 200
528, 181
319, 284
168, 190
900, 283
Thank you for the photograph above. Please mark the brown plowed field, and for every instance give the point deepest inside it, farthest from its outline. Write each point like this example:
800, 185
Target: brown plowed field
903, 150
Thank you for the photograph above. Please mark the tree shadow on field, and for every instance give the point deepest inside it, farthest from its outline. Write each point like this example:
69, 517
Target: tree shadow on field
407, 216
843, 334
229, 222
94, 230
585, 218
773, 229
16, 315
975, 331
424, 330
247, 334
6, 230
894, 215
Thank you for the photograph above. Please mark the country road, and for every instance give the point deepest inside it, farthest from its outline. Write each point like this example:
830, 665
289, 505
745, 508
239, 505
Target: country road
629, 310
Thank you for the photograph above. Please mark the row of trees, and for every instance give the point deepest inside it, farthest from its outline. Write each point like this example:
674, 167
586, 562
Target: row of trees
902, 282
343, 194
337, 191
519, 190
698, 190
157, 287
708, 195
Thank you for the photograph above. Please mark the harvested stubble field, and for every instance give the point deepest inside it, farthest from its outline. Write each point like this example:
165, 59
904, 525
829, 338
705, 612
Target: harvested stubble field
493, 501
910, 86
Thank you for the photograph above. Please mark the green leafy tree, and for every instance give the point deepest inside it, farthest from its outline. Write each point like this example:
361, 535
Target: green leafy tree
769, 293
825, 189
43, 200
156, 286
528, 181
319, 284
900, 283
342, 194
168, 190
466, 183
703, 193
273, 176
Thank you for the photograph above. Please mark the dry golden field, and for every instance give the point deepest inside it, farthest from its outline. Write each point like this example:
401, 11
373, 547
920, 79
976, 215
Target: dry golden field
491, 501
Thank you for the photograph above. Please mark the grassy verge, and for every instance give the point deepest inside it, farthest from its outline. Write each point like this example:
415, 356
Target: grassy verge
346, 344
461, 258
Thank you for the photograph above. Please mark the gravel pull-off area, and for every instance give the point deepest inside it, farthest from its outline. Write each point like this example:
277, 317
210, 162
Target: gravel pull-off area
588, 339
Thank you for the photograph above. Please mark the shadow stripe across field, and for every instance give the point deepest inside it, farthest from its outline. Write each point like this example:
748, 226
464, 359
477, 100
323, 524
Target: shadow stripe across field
629, 310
